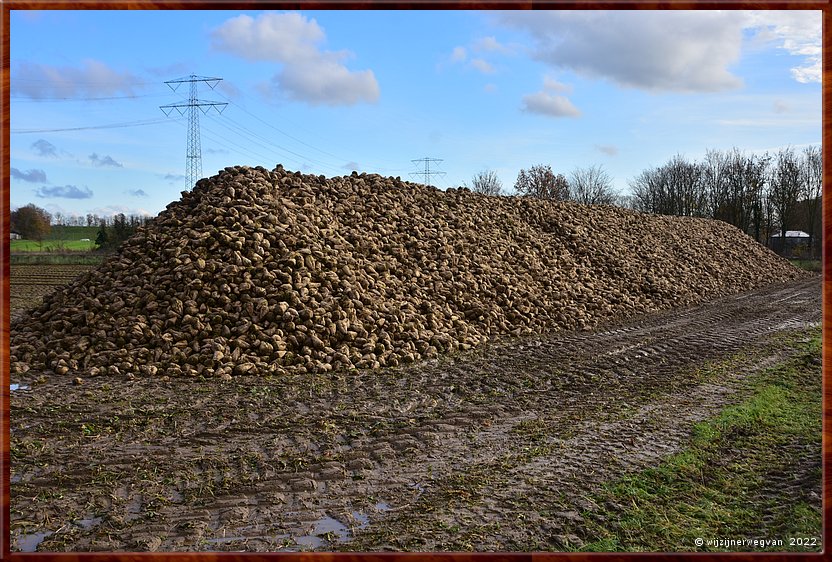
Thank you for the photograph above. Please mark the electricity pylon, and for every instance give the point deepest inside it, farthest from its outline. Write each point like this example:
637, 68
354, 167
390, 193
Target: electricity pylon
427, 173
193, 154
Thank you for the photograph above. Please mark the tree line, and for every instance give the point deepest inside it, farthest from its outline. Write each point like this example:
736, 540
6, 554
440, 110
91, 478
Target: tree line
112, 233
34, 223
762, 195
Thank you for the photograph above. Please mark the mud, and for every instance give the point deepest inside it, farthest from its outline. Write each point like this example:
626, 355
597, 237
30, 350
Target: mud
495, 449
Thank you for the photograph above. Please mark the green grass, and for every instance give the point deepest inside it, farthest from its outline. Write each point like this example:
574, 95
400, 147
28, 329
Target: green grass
58, 232
75, 258
733, 476
52, 246
808, 265
60, 239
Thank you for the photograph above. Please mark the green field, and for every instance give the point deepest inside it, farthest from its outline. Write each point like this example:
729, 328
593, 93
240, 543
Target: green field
52, 246
72, 232
60, 239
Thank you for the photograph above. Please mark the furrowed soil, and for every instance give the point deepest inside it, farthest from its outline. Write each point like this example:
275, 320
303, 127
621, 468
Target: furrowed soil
29, 283
501, 448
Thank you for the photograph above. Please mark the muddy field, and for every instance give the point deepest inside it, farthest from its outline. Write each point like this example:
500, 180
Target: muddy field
29, 283
497, 449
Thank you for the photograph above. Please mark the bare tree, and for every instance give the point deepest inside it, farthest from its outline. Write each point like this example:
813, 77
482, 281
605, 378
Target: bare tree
540, 181
591, 186
785, 190
487, 182
737, 199
685, 189
811, 167
648, 191
673, 189
715, 180
625, 201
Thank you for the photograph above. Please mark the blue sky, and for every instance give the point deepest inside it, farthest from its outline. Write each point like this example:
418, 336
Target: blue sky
327, 92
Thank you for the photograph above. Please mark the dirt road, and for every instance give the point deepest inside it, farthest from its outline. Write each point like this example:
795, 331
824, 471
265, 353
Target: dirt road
492, 450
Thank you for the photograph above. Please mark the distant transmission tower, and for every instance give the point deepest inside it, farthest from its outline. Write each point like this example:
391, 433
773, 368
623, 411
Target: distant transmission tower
427, 173
193, 155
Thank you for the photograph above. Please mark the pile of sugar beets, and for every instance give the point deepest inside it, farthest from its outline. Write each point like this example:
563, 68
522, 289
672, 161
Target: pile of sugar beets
268, 272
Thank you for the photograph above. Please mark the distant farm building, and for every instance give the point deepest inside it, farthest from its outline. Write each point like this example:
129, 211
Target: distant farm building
795, 244
14, 235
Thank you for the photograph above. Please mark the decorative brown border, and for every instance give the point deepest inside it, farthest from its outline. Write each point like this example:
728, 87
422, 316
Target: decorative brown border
8, 5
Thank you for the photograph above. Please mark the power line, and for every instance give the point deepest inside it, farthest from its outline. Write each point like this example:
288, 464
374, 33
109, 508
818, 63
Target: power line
193, 153
70, 98
296, 139
284, 133
110, 126
427, 173
254, 137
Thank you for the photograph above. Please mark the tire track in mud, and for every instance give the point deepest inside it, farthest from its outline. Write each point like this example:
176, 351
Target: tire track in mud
353, 460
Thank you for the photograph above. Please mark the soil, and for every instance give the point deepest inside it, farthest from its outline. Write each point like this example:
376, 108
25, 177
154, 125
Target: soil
29, 283
494, 449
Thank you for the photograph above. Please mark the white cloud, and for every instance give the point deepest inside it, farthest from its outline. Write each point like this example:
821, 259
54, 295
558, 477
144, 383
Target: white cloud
552, 105
608, 149
685, 51
490, 88
270, 37
483, 66
93, 78
491, 45
112, 210
45, 148
553, 85
798, 32
101, 161
66, 191
326, 81
32, 176
172, 177
460, 55
309, 74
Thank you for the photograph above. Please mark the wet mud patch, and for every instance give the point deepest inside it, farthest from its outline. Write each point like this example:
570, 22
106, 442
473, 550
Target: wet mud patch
495, 449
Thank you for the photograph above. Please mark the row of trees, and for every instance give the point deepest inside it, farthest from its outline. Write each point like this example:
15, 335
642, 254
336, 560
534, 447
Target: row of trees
591, 186
120, 227
35, 223
759, 194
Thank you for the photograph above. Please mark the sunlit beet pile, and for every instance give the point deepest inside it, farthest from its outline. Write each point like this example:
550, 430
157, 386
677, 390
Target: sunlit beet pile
267, 272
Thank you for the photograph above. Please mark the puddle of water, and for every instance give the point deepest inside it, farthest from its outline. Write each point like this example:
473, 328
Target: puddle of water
310, 541
15, 386
360, 518
382, 506
29, 543
326, 525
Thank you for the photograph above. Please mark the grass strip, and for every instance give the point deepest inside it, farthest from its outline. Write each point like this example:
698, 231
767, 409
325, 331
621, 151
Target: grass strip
76, 258
750, 476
